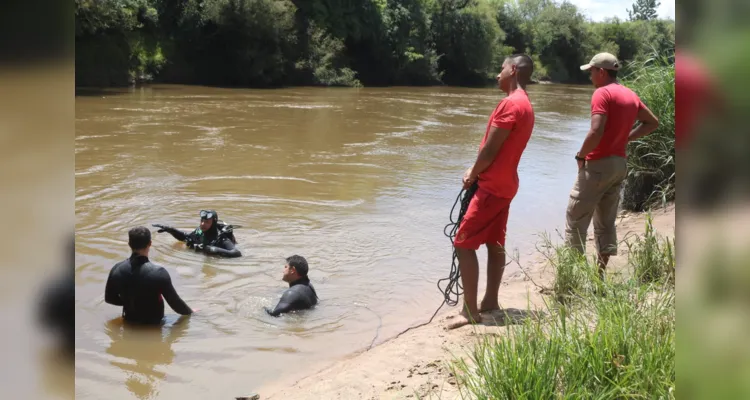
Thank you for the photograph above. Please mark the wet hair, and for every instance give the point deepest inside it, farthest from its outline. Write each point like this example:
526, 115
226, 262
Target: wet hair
299, 263
139, 238
524, 67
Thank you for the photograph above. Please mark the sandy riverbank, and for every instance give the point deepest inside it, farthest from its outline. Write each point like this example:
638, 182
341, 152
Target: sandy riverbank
414, 364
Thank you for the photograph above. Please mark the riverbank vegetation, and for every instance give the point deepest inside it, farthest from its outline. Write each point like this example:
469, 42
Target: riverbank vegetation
270, 43
651, 160
598, 339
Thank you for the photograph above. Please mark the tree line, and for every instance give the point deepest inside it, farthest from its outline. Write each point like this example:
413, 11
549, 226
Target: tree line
270, 43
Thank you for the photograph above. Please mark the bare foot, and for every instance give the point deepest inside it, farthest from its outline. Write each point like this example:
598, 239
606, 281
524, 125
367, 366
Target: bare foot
463, 319
488, 306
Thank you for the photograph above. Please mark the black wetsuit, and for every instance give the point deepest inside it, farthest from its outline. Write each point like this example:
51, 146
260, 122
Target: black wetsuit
300, 296
138, 286
211, 242
57, 308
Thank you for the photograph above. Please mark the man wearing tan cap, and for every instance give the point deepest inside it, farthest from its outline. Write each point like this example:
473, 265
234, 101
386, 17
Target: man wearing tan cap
602, 164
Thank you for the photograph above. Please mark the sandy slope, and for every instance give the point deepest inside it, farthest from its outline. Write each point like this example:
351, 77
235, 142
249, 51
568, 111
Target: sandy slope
414, 364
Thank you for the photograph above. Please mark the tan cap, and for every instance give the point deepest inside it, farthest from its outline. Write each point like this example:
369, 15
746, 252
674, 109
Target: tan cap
603, 61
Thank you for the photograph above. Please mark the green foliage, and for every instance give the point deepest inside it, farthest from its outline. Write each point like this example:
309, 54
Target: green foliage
643, 10
540, 71
102, 60
468, 39
325, 60
248, 44
616, 37
115, 43
573, 272
97, 16
511, 21
334, 42
146, 59
615, 343
651, 159
406, 24
559, 33
651, 257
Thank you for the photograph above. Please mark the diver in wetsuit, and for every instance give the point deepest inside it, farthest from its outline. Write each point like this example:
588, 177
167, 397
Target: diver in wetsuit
138, 285
301, 293
211, 237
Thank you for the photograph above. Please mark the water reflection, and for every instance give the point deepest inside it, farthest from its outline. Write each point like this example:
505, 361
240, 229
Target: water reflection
143, 353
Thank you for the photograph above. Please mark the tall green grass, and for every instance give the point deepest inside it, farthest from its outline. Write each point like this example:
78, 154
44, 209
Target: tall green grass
617, 342
574, 273
651, 159
652, 258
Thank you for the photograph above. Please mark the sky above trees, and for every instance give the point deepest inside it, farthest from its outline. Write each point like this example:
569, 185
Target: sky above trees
598, 10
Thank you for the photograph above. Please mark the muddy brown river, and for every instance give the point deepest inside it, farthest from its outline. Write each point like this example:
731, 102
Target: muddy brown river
358, 181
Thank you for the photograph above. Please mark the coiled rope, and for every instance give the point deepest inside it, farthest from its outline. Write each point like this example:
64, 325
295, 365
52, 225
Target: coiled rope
453, 289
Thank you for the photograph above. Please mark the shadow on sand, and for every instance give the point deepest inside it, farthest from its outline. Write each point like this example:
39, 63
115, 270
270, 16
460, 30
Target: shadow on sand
508, 316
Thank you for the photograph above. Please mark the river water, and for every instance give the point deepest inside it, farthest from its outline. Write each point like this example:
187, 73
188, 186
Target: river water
358, 181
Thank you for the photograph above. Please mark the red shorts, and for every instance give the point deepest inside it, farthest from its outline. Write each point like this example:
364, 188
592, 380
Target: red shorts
485, 221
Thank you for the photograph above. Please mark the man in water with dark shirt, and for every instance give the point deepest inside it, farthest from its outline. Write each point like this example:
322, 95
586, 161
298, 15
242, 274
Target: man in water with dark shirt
138, 285
211, 237
301, 294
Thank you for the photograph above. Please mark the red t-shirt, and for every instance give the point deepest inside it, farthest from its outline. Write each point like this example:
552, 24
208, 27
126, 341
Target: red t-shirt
515, 113
621, 106
692, 86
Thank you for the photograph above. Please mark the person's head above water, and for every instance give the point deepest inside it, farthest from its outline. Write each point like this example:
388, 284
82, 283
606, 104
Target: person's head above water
516, 72
208, 219
139, 240
295, 268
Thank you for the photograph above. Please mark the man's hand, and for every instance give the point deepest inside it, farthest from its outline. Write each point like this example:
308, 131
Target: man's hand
468, 180
198, 247
162, 228
580, 164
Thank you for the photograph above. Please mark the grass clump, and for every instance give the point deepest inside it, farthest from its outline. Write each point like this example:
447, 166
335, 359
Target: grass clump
573, 272
614, 342
652, 258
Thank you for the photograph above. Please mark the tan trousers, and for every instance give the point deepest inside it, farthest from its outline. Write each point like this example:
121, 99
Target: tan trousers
596, 193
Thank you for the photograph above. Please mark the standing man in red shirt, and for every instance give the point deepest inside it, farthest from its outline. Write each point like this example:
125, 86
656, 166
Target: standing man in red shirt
602, 163
496, 168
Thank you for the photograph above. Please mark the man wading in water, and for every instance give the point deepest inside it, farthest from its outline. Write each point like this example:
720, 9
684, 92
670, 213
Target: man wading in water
496, 168
140, 286
301, 294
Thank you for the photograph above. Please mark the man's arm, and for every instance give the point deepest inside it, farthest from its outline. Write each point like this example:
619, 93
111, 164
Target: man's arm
170, 294
599, 110
285, 305
176, 233
495, 139
598, 121
500, 126
111, 290
648, 124
226, 249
